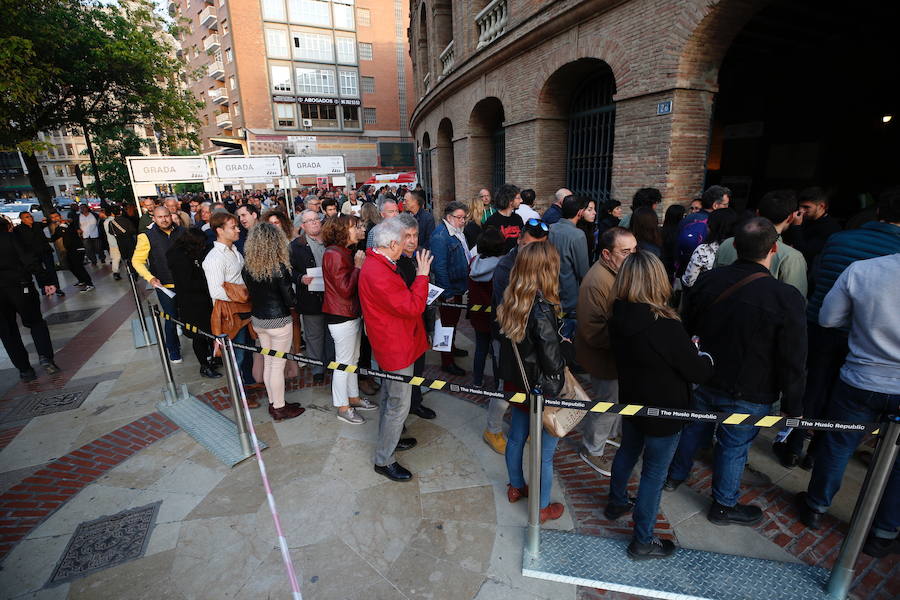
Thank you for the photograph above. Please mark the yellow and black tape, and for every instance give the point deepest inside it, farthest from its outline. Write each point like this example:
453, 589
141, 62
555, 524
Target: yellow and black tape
474, 308
626, 410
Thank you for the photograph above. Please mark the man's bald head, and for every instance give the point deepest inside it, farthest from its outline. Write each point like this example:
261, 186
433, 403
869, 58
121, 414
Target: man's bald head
561, 194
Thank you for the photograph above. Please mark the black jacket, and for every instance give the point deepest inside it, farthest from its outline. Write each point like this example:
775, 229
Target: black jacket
33, 238
124, 230
69, 235
308, 303
271, 298
18, 264
192, 292
757, 335
656, 362
540, 352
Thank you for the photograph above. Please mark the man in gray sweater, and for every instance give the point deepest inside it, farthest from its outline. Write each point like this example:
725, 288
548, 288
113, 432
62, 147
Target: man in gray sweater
864, 298
571, 243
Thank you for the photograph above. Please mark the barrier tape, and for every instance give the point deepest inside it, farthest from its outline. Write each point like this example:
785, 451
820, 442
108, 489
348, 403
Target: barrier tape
626, 410
474, 308
282, 541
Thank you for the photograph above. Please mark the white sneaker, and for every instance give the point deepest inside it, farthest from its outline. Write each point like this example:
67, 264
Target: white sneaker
87, 288
350, 416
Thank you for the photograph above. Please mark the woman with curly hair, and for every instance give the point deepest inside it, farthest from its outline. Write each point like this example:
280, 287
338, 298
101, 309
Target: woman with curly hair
340, 269
267, 276
279, 218
528, 318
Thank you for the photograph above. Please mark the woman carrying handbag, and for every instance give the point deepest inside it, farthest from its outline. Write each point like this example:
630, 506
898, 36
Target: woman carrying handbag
531, 359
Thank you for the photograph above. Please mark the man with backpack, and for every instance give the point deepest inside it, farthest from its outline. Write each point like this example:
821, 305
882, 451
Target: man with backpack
693, 229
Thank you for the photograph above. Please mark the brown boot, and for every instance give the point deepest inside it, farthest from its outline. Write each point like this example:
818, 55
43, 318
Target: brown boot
367, 386
288, 411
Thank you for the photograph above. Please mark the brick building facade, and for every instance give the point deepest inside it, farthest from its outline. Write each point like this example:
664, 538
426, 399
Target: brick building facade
605, 96
314, 77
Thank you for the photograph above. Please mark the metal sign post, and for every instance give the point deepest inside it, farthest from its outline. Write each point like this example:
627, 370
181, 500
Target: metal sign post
533, 537
236, 388
864, 512
163, 355
139, 330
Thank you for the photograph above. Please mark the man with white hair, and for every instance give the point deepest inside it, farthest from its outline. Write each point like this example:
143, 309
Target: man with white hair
393, 316
179, 216
388, 209
554, 211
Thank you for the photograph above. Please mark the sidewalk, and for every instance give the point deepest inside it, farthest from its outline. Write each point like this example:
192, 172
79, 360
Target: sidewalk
94, 446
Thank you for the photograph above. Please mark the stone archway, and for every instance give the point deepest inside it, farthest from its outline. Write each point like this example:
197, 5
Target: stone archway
445, 177
486, 145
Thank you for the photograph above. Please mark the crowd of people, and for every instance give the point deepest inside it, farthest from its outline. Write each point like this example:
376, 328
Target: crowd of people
775, 310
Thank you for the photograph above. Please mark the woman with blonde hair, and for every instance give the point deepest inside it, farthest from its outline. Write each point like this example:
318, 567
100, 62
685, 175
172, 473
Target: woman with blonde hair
528, 318
474, 227
656, 362
267, 275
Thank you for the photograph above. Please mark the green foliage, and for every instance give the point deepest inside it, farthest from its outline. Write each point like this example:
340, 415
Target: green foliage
112, 145
89, 63
185, 188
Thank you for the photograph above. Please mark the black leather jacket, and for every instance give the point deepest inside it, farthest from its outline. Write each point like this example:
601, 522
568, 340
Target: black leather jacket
540, 351
271, 298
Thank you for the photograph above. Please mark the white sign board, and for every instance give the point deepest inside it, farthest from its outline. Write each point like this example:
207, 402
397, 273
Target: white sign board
339, 181
167, 169
145, 189
248, 167
316, 165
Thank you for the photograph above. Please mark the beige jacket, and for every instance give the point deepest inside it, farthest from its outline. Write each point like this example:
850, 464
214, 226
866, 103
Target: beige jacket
595, 301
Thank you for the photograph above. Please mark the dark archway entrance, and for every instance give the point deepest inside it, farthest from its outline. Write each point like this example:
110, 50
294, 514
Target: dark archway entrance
487, 144
592, 121
803, 90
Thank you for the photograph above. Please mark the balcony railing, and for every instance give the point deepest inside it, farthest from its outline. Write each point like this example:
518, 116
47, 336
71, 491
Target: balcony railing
218, 95
209, 18
491, 22
216, 70
447, 58
211, 42
224, 120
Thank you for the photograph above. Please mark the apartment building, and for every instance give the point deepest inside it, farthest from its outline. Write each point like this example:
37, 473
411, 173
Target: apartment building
302, 77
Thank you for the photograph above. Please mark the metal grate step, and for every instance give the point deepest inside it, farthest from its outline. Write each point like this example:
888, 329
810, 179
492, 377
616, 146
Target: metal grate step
689, 574
138, 334
212, 430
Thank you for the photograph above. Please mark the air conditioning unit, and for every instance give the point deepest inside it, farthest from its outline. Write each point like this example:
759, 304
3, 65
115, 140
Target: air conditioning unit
307, 122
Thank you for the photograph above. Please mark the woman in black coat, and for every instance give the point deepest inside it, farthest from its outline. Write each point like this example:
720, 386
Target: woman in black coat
657, 362
185, 259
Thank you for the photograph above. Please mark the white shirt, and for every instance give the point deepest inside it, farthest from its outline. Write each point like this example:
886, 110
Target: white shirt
220, 265
88, 225
109, 237
526, 212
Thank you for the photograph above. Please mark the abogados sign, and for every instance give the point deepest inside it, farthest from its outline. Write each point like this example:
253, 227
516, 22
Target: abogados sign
316, 165
168, 169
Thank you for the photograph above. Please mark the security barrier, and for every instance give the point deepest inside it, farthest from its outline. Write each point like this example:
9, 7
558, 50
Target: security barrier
841, 575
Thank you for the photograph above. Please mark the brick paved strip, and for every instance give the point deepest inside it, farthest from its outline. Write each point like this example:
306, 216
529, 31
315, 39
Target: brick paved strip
30, 502
7, 435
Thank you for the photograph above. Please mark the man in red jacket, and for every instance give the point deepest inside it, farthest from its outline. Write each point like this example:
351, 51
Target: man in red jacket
393, 317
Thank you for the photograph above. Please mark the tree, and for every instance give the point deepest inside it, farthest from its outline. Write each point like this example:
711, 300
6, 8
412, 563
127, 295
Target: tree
91, 65
114, 144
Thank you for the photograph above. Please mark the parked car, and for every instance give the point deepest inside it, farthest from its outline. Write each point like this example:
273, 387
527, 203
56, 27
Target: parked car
11, 212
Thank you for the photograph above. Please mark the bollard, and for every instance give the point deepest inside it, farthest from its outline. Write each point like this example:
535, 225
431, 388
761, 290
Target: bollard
864, 511
139, 303
163, 354
236, 388
536, 429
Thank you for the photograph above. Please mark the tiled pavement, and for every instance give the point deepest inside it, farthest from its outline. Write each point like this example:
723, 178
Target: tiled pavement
115, 433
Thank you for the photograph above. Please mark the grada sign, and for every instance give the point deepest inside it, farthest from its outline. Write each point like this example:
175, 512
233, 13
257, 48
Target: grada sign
316, 165
248, 167
168, 169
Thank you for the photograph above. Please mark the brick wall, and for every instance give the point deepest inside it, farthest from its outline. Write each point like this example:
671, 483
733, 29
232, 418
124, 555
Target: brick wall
656, 49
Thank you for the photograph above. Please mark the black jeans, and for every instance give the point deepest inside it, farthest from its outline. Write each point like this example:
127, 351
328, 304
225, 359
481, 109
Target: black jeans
823, 367
76, 266
23, 300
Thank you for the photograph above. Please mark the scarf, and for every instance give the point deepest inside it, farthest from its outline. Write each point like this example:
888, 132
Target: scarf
458, 234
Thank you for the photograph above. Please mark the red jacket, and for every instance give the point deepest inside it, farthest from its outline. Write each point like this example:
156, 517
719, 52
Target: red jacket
341, 279
392, 312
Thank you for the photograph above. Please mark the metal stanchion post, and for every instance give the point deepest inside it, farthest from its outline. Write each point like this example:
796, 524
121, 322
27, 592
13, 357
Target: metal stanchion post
139, 303
533, 538
236, 388
163, 354
864, 512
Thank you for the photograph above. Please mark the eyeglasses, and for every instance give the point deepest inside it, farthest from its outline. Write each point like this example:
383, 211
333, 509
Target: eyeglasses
457, 216
532, 222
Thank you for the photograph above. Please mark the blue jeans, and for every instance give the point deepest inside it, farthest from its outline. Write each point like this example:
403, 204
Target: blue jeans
658, 452
732, 444
244, 358
173, 345
849, 403
515, 448
482, 351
